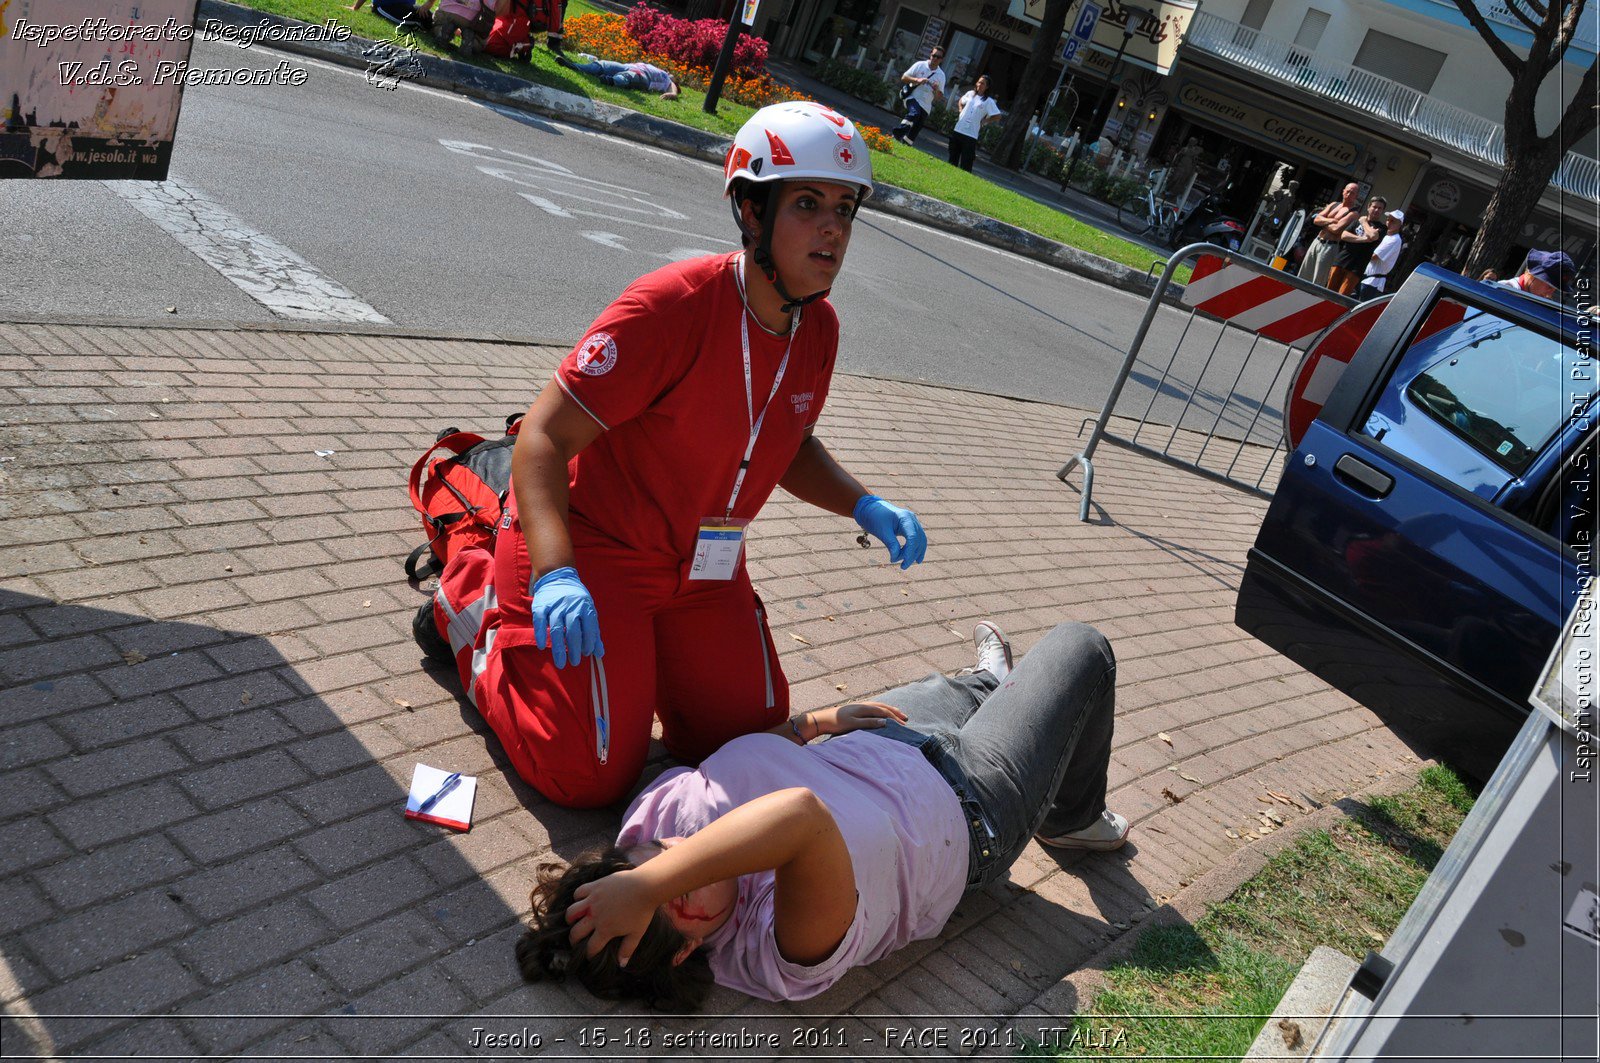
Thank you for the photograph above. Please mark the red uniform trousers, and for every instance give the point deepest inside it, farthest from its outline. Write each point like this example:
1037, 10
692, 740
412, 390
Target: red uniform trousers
698, 654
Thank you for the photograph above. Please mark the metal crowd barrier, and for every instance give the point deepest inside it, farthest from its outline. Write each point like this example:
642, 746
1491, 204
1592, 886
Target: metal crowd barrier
1276, 316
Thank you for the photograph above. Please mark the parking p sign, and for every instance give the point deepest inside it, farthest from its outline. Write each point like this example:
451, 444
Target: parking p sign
1088, 17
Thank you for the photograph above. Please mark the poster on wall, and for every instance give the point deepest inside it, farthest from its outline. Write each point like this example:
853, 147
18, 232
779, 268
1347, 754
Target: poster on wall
1156, 33
90, 89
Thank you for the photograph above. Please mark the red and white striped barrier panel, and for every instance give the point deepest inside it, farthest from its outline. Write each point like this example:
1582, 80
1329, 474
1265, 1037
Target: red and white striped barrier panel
1263, 303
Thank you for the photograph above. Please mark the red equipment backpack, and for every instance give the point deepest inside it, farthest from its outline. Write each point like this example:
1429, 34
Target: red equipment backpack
461, 496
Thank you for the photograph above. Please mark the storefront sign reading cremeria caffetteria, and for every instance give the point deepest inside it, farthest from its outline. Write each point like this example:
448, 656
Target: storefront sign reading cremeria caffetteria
1281, 125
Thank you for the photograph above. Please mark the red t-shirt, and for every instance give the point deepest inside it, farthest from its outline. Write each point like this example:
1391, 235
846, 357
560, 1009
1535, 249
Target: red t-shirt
662, 371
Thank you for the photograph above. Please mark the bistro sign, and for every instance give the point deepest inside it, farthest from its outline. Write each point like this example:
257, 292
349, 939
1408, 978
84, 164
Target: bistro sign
1301, 134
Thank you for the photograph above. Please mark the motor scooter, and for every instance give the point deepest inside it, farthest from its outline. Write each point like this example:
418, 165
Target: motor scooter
1206, 222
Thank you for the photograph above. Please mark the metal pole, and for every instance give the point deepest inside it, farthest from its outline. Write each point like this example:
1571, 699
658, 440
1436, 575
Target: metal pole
724, 60
1050, 102
1111, 83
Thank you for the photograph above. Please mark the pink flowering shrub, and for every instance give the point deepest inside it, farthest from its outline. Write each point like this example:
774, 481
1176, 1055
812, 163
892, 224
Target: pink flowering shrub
695, 43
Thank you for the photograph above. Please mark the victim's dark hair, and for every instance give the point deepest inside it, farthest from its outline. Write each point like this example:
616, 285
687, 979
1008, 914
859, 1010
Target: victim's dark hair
544, 950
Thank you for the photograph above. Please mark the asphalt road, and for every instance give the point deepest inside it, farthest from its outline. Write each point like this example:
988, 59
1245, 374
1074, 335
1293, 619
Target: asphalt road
336, 200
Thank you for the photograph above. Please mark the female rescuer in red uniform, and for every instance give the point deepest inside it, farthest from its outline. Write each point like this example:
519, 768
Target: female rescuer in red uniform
621, 581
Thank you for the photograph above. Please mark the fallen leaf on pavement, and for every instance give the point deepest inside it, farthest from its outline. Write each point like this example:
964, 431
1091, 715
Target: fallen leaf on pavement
799, 638
134, 657
1231, 833
403, 703
1170, 796
1165, 737
367, 604
1185, 777
1291, 1033
245, 698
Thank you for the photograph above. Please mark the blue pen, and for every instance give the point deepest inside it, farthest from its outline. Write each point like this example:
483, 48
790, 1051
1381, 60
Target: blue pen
449, 784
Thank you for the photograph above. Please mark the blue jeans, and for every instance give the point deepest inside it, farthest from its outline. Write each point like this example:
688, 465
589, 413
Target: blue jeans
616, 73
1026, 756
911, 124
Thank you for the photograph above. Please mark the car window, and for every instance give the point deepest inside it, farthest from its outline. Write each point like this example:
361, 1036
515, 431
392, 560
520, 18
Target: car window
1504, 392
1491, 395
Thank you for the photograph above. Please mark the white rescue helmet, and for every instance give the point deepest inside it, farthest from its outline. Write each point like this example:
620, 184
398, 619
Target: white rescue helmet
788, 141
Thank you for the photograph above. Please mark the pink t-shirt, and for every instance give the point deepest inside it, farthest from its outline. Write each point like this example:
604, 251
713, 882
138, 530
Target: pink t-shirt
900, 820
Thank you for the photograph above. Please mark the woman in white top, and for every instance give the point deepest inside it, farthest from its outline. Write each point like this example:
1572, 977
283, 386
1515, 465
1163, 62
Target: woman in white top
978, 109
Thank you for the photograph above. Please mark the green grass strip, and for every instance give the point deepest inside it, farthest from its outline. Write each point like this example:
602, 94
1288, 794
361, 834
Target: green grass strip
1196, 991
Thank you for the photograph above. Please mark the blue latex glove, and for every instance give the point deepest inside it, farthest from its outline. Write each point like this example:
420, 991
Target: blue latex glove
564, 617
889, 524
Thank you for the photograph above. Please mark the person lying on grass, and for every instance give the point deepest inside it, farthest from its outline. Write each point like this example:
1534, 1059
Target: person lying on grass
781, 863
625, 75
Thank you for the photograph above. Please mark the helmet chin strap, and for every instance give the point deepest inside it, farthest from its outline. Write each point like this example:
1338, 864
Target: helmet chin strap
763, 260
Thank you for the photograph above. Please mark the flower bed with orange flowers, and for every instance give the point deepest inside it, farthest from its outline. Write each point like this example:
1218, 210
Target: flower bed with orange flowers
606, 36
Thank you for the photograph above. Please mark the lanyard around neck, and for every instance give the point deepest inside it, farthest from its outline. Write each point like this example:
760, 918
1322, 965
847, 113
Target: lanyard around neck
749, 397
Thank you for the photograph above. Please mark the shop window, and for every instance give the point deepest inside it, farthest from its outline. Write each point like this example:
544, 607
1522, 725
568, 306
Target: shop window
906, 36
1399, 60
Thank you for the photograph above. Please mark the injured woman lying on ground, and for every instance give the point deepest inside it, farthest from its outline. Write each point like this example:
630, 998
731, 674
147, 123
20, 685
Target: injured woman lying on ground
781, 862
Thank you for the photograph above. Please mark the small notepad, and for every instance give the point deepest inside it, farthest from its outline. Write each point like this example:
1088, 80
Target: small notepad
453, 810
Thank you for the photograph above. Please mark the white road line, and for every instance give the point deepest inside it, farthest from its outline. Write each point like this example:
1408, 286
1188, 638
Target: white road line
558, 211
260, 266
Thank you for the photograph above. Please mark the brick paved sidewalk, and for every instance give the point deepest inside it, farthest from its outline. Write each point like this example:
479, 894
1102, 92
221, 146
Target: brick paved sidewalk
212, 702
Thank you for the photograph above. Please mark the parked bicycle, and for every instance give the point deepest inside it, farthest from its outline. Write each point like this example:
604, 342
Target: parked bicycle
1143, 214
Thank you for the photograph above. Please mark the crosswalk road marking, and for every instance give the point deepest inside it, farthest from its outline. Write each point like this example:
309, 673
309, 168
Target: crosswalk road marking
260, 266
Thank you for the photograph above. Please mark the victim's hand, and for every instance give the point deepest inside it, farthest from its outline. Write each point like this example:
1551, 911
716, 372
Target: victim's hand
857, 716
616, 906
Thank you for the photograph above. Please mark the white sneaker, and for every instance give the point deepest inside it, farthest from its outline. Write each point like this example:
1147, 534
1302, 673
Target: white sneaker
994, 651
1108, 832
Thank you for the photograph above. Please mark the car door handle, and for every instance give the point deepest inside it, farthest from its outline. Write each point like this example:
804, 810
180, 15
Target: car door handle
1363, 477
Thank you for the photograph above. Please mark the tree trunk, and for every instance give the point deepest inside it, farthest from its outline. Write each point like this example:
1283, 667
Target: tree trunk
1524, 179
698, 9
1035, 83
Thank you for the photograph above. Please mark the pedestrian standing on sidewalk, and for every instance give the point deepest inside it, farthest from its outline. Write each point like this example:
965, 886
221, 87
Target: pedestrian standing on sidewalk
782, 863
978, 109
619, 589
928, 80
1330, 221
1356, 245
1385, 256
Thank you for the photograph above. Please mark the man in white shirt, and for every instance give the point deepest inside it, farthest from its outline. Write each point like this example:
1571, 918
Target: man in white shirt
928, 82
1384, 256
978, 109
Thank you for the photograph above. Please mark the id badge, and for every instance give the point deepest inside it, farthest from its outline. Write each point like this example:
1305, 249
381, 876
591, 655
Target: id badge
717, 548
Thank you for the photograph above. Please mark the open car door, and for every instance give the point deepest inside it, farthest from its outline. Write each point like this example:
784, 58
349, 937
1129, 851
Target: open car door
1426, 540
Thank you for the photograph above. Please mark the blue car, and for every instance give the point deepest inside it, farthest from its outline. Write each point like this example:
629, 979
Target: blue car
1432, 529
